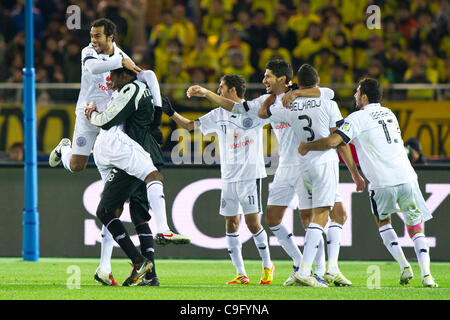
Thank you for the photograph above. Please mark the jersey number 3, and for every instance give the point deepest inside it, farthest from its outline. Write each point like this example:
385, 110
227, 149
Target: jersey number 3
308, 127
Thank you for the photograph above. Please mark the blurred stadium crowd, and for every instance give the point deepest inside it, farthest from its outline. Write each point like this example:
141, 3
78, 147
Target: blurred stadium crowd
197, 41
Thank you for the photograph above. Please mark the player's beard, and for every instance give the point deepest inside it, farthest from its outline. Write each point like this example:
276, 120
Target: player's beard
356, 105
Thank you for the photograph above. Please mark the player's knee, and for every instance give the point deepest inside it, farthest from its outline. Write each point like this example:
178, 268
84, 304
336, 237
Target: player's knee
412, 230
77, 166
231, 225
306, 220
104, 215
154, 176
254, 226
272, 221
340, 219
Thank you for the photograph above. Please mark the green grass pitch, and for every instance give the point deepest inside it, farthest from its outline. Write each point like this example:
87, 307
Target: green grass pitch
57, 279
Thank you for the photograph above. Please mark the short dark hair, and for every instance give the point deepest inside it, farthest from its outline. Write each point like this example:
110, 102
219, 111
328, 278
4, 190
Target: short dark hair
280, 68
235, 81
109, 27
372, 89
118, 72
307, 76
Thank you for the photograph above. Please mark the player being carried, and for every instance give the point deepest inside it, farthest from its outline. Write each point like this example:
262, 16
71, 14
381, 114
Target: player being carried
127, 157
242, 168
375, 132
97, 60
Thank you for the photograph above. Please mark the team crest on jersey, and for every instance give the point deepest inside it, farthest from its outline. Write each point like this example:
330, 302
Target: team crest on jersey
81, 141
89, 53
345, 126
247, 122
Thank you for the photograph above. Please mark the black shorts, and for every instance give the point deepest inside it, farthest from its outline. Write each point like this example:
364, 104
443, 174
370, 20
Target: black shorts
121, 187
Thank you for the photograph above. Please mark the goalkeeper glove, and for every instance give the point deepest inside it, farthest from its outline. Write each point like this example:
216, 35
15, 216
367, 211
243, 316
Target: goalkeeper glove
90, 109
167, 106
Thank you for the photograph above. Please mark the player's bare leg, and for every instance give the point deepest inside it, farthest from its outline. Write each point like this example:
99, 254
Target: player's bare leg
338, 216
422, 252
253, 221
155, 194
312, 241
78, 162
235, 250
390, 240
274, 219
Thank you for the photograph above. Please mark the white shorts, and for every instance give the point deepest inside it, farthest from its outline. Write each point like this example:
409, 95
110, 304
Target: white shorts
84, 135
246, 193
115, 149
405, 198
320, 186
285, 187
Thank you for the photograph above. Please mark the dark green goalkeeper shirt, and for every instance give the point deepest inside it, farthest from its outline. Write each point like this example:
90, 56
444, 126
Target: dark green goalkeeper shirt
134, 108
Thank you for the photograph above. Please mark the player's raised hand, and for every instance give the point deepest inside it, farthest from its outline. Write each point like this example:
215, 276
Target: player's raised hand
196, 91
130, 65
167, 106
359, 181
90, 109
303, 149
288, 98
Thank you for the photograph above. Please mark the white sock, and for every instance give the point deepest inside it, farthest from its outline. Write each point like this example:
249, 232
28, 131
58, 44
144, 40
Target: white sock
262, 245
390, 240
66, 154
422, 252
333, 246
287, 243
155, 195
312, 242
107, 247
319, 260
235, 251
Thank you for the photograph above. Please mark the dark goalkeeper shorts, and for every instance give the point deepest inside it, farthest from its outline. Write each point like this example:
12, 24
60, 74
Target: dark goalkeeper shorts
121, 187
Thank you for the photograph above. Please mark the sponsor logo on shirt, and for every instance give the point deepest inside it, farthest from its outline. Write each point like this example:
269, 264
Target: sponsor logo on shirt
282, 125
240, 144
103, 87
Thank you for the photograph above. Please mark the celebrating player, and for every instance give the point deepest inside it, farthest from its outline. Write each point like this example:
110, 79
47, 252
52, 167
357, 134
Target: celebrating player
375, 132
134, 152
97, 60
242, 168
277, 77
310, 118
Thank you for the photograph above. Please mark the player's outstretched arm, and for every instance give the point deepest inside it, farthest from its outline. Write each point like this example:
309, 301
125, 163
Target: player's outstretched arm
319, 145
178, 118
292, 95
130, 65
198, 91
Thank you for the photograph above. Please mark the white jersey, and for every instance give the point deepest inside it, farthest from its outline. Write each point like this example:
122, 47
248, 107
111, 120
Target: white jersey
240, 143
287, 141
95, 69
375, 132
310, 119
